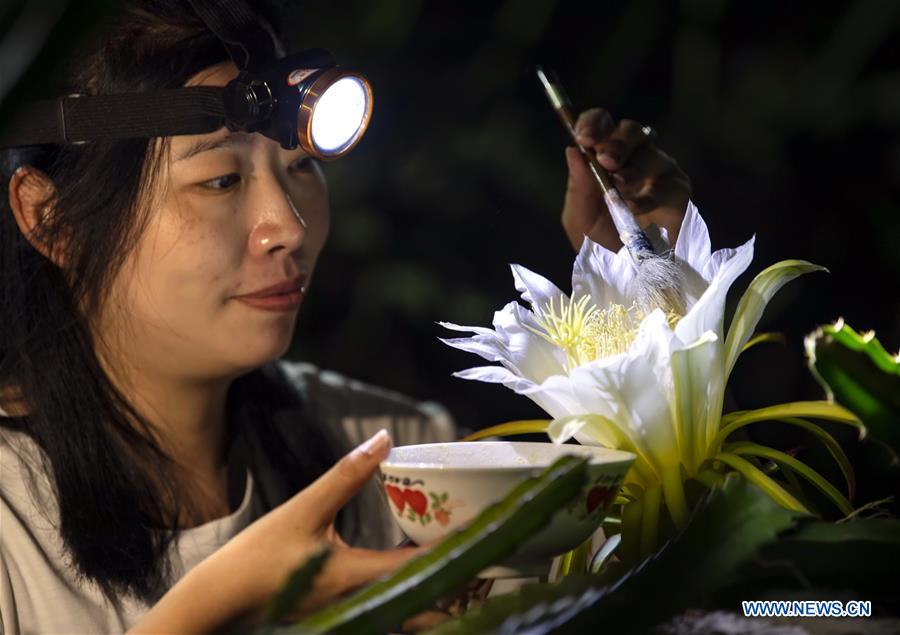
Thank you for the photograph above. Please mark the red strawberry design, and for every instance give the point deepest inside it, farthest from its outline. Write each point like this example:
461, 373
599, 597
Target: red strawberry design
396, 495
599, 495
416, 500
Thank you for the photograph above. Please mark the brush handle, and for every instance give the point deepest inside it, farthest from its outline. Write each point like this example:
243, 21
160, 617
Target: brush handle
630, 233
563, 108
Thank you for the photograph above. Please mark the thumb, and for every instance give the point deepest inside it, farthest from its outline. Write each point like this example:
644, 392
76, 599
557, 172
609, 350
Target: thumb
337, 486
581, 182
583, 204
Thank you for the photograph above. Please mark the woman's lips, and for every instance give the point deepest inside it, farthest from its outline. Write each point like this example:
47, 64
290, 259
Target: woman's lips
276, 302
285, 296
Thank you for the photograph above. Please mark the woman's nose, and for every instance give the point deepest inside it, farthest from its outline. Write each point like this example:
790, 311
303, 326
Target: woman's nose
280, 227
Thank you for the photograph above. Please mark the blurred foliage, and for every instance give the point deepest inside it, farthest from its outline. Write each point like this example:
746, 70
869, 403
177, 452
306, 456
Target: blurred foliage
785, 115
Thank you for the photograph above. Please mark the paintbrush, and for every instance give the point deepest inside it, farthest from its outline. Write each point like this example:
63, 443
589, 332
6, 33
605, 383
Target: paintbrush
658, 281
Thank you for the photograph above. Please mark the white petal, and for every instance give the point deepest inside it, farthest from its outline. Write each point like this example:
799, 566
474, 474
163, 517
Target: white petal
708, 313
692, 245
693, 285
534, 357
754, 301
535, 288
692, 367
599, 430
555, 395
635, 392
487, 347
480, 330
493, 375
602, 274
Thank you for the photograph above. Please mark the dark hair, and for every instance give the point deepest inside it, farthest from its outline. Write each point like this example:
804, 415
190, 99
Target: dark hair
110, 475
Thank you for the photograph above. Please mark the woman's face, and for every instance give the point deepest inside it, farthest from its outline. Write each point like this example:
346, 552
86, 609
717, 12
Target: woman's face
232, 214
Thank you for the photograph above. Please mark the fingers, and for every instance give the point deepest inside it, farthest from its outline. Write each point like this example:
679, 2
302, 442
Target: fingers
352, 568
584, 212
337, 486
650, 181
593, 126
348, 569
644, 168
614, 151
424, 621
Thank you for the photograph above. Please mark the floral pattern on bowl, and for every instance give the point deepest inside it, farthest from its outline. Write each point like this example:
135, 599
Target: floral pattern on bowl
435, 489
415, 504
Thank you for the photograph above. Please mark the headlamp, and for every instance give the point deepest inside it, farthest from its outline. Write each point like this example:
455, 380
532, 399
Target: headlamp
303, 99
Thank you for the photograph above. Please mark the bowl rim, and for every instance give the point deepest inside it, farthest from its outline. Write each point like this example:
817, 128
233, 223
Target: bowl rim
615, 457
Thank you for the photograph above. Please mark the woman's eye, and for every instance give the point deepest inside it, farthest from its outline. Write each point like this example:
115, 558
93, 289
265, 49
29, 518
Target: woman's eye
303, 164
222, 183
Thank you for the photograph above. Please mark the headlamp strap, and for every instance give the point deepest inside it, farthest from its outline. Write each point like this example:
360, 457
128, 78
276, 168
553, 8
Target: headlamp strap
77, 118
248, 38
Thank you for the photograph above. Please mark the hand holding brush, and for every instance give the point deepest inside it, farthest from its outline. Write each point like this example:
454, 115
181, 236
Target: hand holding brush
628, 169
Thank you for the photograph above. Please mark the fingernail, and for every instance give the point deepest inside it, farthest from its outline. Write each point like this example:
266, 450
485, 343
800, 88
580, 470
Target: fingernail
376, 444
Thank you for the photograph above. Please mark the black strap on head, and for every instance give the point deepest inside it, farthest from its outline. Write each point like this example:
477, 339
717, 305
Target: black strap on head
249, 39
74, 119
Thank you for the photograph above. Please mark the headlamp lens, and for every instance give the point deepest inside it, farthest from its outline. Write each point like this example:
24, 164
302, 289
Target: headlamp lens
340, 115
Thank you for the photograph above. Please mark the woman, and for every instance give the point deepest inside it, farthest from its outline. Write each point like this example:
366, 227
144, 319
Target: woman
162, 470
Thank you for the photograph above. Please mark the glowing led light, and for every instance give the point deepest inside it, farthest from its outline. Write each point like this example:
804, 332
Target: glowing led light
339, 114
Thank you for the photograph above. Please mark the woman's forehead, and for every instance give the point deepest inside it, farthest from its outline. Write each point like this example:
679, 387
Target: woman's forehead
215, 75
184, 146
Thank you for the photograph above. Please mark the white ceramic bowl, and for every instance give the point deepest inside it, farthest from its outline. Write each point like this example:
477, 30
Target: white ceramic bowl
436, 488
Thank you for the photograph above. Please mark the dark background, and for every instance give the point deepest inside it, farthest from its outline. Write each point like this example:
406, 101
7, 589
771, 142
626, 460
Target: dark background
786, 116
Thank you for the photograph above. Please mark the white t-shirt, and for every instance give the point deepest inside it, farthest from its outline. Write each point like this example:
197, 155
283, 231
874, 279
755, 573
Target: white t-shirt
39, 591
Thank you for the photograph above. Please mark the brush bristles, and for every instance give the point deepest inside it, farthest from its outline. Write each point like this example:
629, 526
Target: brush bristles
658, 285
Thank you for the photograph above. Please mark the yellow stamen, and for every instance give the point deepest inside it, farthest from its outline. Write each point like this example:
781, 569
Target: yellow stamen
564, 327
585, 334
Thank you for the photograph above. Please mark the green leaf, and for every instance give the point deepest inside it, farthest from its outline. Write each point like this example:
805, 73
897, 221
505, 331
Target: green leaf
673, 493
825, 410
857, 372
754, 301
755, 449
575, 561
298, 585
510, 428
810, 409
764, 338
726, 529
763, 482
827, 440
650, 520
491, 537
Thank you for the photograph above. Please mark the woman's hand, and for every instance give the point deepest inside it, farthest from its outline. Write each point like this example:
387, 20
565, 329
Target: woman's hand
236, 582
649, 180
